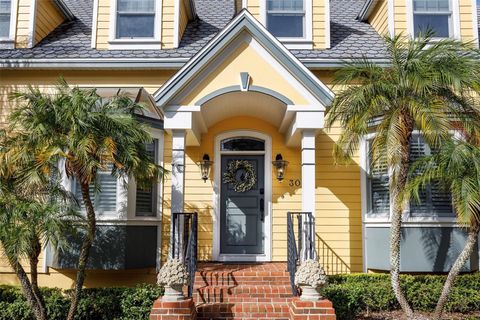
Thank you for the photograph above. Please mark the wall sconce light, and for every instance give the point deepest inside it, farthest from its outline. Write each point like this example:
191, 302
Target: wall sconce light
280, 166
205, 166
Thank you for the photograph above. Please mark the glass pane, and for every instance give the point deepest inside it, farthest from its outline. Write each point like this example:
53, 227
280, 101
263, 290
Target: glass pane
146, 202
135, 26
431, 5
242, 144
439, 24
4, 25
283, 25
5, 6
285, 5
136, 6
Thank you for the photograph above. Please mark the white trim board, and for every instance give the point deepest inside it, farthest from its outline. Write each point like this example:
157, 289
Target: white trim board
94, 24
475, 22
267, 256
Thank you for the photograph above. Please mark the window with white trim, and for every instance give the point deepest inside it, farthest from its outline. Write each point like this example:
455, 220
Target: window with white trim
103, 195
435, 200
146, 198
434, 15
135, 19
5, 16
286, 18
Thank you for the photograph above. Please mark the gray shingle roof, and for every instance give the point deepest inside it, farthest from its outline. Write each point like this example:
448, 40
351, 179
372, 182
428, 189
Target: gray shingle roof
349, 38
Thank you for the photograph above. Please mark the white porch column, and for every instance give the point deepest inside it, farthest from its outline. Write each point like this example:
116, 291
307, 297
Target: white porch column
308, 171
308, 191
178, 189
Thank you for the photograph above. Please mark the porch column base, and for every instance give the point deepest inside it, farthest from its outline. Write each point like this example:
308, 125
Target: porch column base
311, 310
173, 310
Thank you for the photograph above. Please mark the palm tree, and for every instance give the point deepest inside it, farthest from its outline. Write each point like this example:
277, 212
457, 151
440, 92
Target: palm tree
425, 85
30, 218
86, 134
456, 166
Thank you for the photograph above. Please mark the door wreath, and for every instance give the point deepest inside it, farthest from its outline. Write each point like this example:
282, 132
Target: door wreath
246, 181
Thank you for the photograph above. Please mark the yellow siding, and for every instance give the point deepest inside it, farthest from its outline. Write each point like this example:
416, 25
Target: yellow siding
318, 25
47, 18
11, 80
103, 24
254, 8
183, 19
168, 22
400, 16
23, 24
379, 17
466, 20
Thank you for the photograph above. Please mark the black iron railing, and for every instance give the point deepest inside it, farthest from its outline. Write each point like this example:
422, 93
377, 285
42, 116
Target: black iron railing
183, 244
300, 243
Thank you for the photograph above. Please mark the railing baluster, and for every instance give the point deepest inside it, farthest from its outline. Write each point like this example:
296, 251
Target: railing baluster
302, 246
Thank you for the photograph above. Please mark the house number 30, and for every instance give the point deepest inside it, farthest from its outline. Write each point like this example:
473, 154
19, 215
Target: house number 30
295, 183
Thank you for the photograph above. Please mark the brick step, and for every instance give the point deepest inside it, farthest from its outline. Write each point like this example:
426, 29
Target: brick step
234, 280
268, 310
262, 293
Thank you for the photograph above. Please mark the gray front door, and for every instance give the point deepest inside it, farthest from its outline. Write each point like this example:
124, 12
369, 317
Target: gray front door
242, 213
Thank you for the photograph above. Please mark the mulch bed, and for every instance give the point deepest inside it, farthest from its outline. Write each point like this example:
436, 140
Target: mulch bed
398, 315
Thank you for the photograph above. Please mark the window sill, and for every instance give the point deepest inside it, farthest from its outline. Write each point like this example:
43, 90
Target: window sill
7, 44
413, 221
294, 43
134, 44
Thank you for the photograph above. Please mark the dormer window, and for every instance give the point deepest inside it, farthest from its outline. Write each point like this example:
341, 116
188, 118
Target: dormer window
135, 19
434, 15
5, 16
286, 18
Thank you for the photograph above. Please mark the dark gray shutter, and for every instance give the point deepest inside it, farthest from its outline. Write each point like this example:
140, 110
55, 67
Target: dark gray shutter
418, 149
104, 201
435, 200
106, 198
378, 186
146, 202
441, 199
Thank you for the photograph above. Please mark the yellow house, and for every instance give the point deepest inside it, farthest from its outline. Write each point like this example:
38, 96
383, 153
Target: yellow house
243, 84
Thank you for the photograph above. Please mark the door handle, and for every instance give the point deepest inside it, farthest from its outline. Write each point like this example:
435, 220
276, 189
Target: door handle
262, 209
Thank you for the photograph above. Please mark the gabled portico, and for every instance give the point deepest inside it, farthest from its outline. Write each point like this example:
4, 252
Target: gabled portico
244, 72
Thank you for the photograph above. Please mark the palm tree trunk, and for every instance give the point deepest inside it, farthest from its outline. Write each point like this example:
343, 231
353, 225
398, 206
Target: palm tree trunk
455, 270
396, 189
84, 251
37, 249
38, 310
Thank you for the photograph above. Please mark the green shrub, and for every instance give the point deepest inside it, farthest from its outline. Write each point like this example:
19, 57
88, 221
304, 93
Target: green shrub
356, 293
137, 302
350, 294
95, 304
